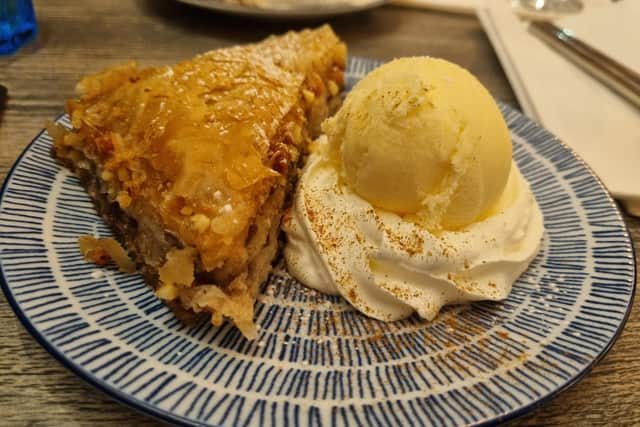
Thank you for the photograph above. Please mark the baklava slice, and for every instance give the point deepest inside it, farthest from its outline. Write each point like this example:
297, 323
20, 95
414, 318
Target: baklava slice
192, 165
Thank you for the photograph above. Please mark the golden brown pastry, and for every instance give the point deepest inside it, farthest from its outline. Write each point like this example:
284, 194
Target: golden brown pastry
192, 164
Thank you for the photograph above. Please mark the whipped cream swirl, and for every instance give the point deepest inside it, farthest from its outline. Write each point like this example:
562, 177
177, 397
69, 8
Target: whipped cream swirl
388, 267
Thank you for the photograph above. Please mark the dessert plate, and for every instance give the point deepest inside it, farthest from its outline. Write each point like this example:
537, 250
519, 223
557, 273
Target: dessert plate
291, 9
316, 361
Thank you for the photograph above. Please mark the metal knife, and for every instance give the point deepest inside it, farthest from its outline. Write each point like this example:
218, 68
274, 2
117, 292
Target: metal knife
621, 79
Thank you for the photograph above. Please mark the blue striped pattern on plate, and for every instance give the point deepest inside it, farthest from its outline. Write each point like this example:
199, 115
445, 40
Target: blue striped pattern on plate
316, 361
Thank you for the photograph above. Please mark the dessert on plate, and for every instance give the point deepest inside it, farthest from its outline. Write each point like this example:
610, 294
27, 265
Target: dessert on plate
411, 200
192, 164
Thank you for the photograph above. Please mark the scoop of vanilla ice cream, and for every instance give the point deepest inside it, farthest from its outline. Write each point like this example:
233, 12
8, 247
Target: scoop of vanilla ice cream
423, 138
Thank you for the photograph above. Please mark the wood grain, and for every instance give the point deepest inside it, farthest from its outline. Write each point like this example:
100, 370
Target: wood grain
77, 38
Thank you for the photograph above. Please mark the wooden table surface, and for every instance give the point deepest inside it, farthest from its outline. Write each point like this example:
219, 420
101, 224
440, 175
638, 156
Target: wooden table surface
77, 38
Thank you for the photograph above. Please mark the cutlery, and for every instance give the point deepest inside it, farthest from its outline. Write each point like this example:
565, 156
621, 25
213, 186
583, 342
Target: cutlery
619, 78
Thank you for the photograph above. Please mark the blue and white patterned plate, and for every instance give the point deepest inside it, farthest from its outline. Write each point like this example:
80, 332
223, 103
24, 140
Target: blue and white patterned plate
316, 361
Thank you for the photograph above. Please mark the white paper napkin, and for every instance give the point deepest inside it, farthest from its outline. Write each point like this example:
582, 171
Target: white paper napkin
599, 125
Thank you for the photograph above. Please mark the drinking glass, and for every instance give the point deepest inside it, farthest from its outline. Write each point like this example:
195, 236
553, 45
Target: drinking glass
17, 25
555, 7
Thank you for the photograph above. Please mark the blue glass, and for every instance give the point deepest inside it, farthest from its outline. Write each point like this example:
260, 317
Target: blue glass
17, 25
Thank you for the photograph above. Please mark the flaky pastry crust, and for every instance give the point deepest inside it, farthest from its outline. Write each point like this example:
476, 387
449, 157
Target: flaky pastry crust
192, 164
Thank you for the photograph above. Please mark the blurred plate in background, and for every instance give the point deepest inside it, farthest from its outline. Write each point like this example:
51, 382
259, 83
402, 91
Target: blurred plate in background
290, 9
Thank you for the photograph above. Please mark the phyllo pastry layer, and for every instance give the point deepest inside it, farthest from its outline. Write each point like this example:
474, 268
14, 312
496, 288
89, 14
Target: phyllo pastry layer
192, 165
